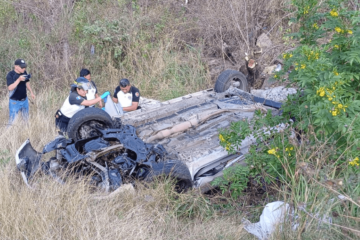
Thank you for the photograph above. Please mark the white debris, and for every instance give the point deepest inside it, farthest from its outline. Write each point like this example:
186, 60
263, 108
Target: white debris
270, 69
274, 213
278, 94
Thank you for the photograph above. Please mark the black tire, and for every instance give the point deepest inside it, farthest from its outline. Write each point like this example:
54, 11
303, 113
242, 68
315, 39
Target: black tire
227, 77
174, 169
82, 124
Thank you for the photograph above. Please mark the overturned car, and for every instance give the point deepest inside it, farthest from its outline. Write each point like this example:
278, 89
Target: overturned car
177, 138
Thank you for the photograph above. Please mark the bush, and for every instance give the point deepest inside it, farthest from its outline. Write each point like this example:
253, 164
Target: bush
326, 107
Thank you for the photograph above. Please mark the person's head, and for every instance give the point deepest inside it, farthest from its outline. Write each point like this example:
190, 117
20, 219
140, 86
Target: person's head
20, 66
85, 73
125, 85
81, 85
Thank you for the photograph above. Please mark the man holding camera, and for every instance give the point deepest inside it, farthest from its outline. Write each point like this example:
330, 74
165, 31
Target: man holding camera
18, 81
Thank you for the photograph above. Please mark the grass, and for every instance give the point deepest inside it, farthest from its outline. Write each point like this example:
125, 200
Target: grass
164, 48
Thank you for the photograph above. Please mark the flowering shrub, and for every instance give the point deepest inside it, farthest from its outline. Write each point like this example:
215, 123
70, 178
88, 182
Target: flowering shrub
325, 67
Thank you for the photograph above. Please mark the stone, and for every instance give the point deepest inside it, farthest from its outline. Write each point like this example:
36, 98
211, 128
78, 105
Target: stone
278, 94
263, 41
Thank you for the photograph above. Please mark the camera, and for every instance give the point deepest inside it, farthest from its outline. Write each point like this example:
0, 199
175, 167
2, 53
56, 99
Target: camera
27, 77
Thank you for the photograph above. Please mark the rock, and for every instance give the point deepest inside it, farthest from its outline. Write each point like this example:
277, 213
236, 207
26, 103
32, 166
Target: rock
278, 94
263, 41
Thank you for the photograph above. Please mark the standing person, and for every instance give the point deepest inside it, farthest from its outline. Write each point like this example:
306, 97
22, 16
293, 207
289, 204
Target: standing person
128, 96
18, 81
86, 74
75, 102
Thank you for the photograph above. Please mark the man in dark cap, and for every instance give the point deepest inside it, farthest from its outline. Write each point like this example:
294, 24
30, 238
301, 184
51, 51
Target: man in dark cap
86, 74
18, 81
128, 96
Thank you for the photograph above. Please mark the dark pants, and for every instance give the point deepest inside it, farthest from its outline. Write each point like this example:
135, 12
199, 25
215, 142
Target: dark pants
61, 121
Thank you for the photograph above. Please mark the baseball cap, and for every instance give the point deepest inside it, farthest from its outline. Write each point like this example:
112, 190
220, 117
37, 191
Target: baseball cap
21, 63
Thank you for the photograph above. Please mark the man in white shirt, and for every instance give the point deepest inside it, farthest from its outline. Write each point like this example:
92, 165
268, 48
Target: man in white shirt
128, 96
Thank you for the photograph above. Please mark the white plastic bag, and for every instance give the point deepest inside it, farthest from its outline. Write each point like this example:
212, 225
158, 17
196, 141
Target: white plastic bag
273, 214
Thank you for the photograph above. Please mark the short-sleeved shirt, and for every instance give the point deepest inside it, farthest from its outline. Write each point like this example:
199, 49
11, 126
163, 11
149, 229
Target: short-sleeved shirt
72, 104
126, 99
75, 98
19, 92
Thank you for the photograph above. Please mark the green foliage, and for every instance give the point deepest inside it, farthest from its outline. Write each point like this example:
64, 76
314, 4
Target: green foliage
234, 180
325, 68
272, 152
326, 107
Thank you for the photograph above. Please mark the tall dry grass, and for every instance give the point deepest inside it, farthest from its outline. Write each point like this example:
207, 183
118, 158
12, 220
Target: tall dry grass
164, 47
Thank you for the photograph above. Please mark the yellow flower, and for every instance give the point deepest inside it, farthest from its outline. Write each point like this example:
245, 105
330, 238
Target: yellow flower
296, 69
338, 29
290, 55
303, 66
334, 113
340, 106
336, 74
333, 13
336, 46
315, 26
306, 10
321, 92
222, 139
273, 152
330, 98
275, 76
350, 32
354, 162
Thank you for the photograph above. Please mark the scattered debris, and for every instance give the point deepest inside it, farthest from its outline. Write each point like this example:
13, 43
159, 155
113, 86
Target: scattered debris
269, 69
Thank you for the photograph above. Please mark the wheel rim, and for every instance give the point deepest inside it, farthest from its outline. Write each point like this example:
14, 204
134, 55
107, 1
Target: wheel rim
89, 129
235, 81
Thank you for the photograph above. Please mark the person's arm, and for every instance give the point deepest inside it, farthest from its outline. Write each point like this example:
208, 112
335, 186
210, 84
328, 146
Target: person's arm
100, 103
28, 87
133, 107
114, 98
17, 81
91, 102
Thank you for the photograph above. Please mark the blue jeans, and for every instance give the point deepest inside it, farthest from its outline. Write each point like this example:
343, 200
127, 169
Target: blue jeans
18, 106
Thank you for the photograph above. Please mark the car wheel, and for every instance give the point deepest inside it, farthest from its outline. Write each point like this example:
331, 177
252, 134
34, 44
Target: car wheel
174, 169
231, 78
84, 123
